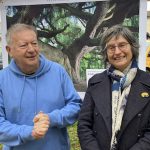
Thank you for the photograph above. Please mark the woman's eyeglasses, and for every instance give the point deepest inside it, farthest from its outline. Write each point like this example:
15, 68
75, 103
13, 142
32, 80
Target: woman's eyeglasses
111, 48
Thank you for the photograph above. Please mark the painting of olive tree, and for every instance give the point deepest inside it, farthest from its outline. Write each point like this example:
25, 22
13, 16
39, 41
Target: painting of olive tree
70, 33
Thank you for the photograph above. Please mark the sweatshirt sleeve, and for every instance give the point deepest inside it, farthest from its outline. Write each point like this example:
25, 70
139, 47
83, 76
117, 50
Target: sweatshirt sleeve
69, 113
12, 134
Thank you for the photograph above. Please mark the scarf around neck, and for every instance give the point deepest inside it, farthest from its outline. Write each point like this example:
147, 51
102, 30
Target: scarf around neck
120, 90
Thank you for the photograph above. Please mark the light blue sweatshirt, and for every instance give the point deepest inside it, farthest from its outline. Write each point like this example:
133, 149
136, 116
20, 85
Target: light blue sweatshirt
22, 96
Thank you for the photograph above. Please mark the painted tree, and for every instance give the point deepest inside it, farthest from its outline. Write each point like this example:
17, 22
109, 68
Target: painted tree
69, 31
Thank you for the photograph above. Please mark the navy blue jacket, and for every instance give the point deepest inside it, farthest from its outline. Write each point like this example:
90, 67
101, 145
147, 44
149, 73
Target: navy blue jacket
95, 119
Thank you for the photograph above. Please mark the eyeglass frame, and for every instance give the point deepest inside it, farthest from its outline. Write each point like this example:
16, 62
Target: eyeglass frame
111, 48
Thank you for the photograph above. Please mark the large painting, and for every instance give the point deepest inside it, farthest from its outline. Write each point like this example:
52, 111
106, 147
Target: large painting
70, 32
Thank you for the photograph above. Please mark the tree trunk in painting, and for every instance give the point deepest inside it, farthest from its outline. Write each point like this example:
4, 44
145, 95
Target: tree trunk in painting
69, 31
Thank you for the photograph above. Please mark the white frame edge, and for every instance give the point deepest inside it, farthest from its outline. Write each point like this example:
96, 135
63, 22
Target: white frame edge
142, 34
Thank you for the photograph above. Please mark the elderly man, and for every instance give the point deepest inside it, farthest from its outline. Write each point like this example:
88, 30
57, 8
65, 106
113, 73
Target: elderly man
37, 97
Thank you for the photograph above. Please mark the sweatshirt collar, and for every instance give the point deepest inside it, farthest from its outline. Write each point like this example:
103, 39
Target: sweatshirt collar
44, 67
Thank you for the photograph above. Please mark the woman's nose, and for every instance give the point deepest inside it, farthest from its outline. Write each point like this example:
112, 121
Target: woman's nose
117, 50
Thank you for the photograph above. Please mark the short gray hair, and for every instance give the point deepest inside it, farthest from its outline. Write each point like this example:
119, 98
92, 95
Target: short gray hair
116, 31
17, 28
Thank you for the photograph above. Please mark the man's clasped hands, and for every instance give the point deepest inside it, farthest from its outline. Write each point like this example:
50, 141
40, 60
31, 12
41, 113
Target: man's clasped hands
41, 125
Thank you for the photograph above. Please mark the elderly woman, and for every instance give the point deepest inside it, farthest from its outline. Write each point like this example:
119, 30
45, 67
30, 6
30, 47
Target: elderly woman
115, 114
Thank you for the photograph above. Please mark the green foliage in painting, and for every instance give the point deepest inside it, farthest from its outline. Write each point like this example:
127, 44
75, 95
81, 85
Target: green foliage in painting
92, 60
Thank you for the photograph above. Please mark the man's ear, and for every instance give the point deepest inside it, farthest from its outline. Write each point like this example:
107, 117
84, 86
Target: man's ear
8, 50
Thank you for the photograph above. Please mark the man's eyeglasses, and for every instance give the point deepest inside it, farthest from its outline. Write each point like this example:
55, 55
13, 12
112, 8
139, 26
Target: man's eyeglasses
111, 48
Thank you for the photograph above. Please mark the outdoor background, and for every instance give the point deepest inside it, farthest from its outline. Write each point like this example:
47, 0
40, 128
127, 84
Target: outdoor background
70, 34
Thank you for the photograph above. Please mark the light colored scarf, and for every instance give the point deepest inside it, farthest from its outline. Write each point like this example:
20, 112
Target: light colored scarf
120, 91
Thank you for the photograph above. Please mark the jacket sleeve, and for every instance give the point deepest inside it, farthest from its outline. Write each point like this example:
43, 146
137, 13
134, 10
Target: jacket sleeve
12, 134
85, 125
69, 113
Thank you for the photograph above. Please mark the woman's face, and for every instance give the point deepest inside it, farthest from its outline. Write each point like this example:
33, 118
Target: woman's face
119, 52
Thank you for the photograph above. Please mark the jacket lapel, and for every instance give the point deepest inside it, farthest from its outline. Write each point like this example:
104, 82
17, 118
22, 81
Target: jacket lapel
136, 101
102, 97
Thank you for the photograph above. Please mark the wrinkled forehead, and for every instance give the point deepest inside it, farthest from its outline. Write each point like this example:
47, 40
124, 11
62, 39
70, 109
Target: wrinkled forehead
116, 38
23, 36
19, 31
23, 32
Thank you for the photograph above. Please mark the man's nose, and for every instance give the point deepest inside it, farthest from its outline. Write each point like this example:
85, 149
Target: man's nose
30, 47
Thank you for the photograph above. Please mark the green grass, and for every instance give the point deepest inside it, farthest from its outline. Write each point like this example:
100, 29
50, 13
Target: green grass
0, 147
74, 141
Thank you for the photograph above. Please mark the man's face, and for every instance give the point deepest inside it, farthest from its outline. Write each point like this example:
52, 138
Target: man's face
25, 50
